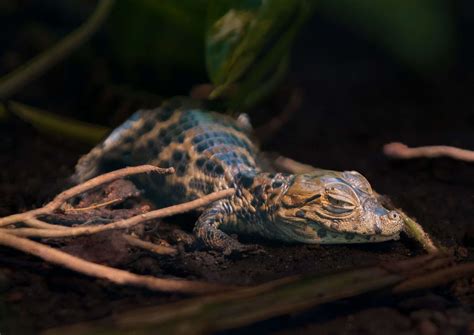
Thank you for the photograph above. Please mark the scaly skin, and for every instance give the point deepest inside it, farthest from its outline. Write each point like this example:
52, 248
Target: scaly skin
211, 152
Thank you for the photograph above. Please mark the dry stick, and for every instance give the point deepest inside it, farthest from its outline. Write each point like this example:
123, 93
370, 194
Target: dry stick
126, 223
7, 237
81, 188
436, 278
402, 151
16, 79
33, 222
102, 179
292, 166
95, 206
157, 249
117, 276
408, 265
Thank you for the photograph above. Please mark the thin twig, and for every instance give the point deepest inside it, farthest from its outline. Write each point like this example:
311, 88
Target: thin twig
157, 249
35, 223
408, 265
290, 165
102, 179
401, 151
81, 188
18, 78
126, 223
436, 278
95, 206
43, 229
117, 276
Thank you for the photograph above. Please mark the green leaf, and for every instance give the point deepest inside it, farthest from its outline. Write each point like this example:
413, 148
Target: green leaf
53, 124
248, 44
420, 33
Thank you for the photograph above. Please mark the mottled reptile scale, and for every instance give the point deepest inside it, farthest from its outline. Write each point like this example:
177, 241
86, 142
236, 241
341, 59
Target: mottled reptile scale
208, 150
212, 151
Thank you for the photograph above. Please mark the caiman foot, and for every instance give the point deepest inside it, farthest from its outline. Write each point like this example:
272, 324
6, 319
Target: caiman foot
211, 237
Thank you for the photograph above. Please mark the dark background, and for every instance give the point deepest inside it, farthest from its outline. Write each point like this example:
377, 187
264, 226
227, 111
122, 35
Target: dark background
357, 96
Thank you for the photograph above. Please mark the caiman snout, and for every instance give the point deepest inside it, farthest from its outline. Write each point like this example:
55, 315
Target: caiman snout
386, 222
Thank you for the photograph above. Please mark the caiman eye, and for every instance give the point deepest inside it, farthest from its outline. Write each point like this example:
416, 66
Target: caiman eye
340, 203
339, 199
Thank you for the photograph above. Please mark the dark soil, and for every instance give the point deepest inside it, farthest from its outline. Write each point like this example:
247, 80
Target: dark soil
353, 104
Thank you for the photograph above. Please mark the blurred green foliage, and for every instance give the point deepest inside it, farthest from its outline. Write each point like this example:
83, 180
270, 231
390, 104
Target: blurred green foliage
60, 126
248, 44
420, 33
163, 35
245, 45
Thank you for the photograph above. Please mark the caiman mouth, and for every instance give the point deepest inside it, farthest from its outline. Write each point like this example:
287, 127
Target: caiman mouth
327, 235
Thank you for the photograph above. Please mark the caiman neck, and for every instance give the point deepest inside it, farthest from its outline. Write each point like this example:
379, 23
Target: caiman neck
265, 189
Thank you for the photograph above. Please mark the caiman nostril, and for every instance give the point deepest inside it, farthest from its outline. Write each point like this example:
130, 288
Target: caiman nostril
393, 215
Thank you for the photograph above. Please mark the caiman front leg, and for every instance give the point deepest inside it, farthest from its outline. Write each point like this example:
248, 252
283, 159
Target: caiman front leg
208, 232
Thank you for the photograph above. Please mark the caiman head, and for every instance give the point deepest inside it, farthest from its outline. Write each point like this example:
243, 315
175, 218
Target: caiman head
335, 207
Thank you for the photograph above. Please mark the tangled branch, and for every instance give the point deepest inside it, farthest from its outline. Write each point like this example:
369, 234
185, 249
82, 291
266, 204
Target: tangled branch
14, 237
117, 276
402, 151
62, 197
122, 224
